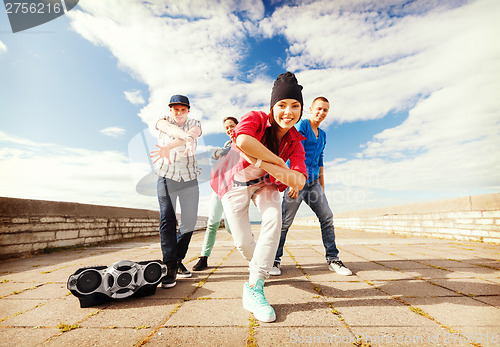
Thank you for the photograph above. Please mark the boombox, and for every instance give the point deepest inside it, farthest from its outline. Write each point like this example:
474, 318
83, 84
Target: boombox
96, 285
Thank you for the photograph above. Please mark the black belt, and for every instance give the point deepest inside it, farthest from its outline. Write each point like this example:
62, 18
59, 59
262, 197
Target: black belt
251, 182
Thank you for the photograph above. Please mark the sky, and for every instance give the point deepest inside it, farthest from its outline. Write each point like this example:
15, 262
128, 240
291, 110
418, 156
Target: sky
413, 87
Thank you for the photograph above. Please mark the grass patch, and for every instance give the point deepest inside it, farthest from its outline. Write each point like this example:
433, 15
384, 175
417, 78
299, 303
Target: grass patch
251, 341
419, 311
318, 290
439, 267
336, 312
202, 282
66, 327
142, 327
359, 342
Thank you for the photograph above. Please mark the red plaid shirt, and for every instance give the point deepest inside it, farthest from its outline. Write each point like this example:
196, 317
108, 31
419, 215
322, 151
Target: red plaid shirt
254, 124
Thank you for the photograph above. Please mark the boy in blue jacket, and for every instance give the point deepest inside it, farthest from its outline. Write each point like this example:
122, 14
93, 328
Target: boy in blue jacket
313, 192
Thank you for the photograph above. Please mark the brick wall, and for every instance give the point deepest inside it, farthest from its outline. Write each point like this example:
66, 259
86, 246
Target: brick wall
28, 226
467, 218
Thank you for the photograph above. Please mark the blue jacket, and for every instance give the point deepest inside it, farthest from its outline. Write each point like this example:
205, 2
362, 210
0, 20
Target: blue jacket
314, 148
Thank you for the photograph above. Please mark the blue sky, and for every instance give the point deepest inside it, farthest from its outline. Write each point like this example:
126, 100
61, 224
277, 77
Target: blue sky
414, 86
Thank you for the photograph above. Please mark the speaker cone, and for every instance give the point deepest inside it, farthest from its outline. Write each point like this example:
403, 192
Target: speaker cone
124, 279
152, 272
88, 281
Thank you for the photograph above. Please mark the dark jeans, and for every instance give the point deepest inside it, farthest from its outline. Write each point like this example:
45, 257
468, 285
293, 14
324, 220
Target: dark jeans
174, 244
313, 195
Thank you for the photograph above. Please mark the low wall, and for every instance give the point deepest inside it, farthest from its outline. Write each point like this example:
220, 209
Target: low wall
468, 218
28, 226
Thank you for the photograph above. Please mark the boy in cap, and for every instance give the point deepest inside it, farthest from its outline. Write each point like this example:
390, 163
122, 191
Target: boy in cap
177, 179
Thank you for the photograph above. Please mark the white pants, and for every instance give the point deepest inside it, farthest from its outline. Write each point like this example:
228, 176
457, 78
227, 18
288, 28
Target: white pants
267, 199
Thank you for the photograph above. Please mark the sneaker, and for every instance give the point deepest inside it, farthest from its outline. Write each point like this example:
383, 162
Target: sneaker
255, 302
202, 264
339, 267
182, 271
276, 269
169, 280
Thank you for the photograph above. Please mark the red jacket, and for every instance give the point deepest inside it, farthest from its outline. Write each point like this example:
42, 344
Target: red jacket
254, 124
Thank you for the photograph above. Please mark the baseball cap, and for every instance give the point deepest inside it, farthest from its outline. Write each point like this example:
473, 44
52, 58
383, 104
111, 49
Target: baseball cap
179, 100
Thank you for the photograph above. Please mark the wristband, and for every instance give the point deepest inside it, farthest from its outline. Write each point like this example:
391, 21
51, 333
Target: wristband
258, 163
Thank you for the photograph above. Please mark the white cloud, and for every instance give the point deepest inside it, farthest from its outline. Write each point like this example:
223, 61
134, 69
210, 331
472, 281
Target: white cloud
436, 61
370, 62
363, 57
32, 170
3, 48
440, 150
135, 97
348, 34
177, 48
113, 131
438, 65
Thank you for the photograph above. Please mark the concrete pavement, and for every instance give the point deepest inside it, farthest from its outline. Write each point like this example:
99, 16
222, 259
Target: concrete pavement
404, 291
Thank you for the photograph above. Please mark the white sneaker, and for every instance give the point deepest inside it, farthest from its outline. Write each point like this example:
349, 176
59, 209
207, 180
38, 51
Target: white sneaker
255, 301
339, 267
276, 269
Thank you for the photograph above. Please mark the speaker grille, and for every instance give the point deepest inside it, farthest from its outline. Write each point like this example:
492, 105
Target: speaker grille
88, 281
124, 279
152, 272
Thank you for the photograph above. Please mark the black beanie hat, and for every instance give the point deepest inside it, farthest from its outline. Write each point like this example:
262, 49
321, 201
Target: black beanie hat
286, 86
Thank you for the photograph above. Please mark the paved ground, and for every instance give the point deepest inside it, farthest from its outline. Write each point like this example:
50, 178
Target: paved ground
404, 291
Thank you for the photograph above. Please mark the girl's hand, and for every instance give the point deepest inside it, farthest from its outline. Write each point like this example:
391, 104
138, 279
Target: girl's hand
250, 159
292, 193
163, 152
217, 153
282, 163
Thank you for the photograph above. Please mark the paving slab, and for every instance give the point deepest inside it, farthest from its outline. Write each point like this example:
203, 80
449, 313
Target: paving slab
311, 313
215, 312
492, 300
50, 314
212, 290
9, 288
130, 313
404, 336
28, 337
458, 311
469, 286
304, 336
200, 336
429, 273
100, 337
414, 288
385, 274
349, 289
45, 291
10, 307
475, 272
383, 312
402, 289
